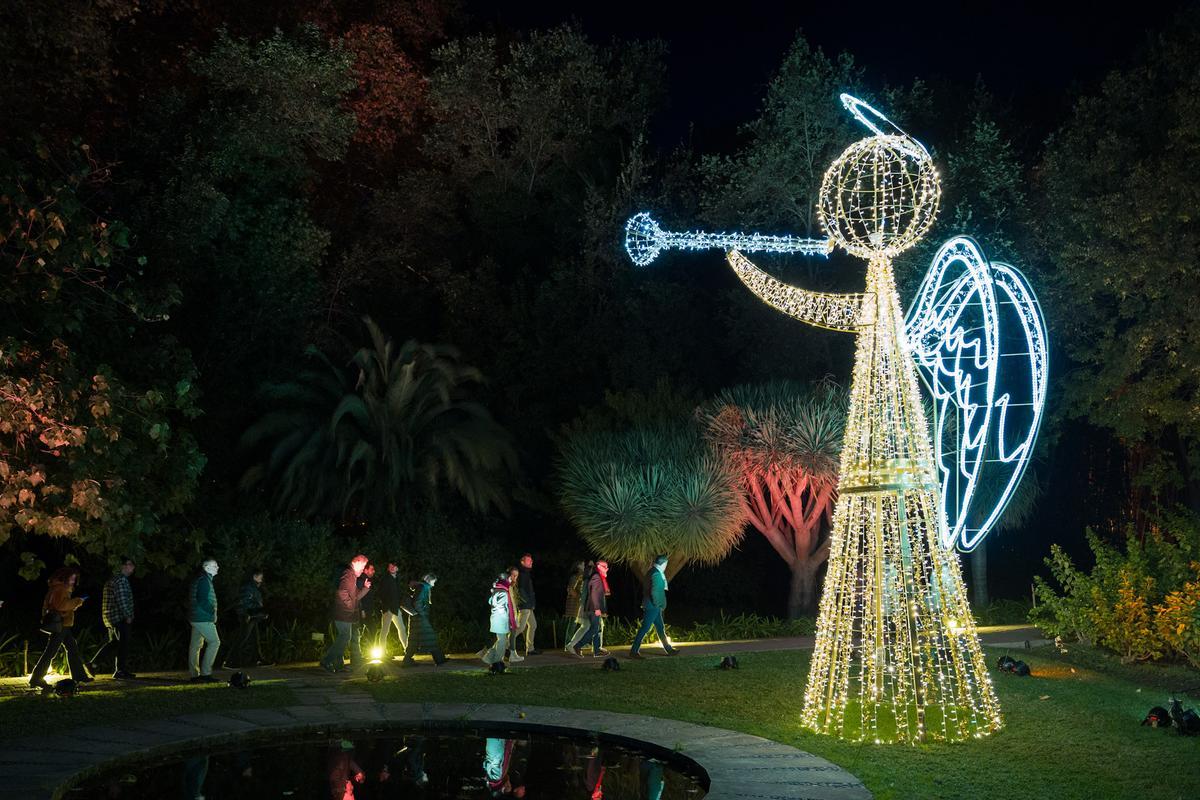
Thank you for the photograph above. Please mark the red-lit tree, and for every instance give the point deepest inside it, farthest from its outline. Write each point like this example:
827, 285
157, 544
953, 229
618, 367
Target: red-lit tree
783, 440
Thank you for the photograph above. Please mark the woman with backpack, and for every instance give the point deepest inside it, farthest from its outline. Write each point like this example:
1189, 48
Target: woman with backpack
58, 618
503, 619
574, 609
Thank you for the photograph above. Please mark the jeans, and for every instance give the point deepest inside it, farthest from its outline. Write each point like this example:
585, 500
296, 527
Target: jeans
388, 621
651, 617
592, 636
347, 634
527, 624
64, 638
203, 633
118, 638
496, 653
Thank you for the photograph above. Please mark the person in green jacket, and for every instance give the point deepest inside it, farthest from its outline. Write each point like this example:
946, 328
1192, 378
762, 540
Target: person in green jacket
202, 615
653, 607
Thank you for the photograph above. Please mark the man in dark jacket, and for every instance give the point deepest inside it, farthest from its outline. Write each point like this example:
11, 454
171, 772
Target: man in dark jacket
596, 604
653, 607
250, 612
368, 611
526, 606
202, 616
390, 594
117, 610
346, 613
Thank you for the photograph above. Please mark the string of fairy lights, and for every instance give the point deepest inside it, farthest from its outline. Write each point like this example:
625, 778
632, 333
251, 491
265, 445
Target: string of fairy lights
897, 657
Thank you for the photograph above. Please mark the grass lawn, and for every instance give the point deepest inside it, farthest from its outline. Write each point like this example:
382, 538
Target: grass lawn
33, 714
1071, 731
1083, 740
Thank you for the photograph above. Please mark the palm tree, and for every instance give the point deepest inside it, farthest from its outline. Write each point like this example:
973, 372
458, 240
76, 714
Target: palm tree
294, 441
655, 488
369, 449
781, 442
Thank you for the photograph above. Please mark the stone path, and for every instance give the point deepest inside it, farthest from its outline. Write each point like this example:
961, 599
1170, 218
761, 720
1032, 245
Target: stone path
739, 766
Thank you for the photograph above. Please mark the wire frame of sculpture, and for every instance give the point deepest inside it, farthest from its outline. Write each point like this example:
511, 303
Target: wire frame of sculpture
897, 657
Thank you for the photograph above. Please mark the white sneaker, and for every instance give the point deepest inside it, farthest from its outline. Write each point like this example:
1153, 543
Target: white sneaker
515, 659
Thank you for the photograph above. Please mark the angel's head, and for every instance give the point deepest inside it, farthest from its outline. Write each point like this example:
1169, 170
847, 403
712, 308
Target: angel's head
881, 194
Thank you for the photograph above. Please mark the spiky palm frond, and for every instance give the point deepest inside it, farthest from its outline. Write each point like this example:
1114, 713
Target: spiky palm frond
294, 443
363, 441
781, 425
654, 489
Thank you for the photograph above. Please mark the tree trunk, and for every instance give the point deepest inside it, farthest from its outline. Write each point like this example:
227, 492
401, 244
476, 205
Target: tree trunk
802, 595
979, 583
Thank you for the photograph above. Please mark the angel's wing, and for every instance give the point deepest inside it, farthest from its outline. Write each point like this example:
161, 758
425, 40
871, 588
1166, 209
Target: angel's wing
979, 341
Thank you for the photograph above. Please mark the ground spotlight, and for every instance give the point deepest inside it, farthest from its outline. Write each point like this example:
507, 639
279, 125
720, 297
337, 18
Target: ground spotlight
728, 662
1006, 663
611, 665
377, 653
375, 672
1157, 717
239, 680
497, 669
65, 688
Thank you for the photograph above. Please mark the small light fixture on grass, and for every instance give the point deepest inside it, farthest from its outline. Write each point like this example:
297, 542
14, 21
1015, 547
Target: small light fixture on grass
239, 680
65, 688
376, 654
375, 672
611, 665
728, 662
498, 668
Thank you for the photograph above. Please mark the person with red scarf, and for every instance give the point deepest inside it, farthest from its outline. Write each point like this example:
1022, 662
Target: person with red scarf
497, 760
503, 620
596, 604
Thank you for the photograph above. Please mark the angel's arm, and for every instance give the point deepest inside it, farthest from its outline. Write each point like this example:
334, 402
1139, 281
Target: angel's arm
838, 312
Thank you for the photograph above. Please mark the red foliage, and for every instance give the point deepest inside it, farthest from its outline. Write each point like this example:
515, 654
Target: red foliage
390, 90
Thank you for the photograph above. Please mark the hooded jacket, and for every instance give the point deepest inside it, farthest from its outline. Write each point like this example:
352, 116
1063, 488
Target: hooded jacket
504, 616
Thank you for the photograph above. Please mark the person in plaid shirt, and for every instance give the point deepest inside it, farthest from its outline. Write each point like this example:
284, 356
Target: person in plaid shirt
117, 610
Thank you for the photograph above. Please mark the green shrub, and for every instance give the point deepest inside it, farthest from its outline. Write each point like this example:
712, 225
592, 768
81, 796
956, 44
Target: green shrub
1137, 602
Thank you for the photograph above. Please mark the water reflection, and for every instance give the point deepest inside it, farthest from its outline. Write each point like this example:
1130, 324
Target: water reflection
378, 765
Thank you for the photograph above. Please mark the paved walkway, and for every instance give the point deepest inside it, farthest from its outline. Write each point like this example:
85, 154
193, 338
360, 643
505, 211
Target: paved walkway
739, 766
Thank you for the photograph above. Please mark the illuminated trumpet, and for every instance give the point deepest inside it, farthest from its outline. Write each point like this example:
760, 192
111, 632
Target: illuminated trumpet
644, 240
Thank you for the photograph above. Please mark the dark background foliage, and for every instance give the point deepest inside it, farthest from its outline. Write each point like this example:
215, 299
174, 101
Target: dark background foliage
236, 182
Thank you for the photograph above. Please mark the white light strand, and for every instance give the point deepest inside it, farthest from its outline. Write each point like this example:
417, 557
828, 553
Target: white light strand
979, 339
644, 240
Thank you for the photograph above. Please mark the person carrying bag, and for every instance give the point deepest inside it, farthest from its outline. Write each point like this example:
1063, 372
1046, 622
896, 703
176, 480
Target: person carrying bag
58, 620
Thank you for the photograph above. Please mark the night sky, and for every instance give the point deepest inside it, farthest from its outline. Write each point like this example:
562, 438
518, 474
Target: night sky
720, 59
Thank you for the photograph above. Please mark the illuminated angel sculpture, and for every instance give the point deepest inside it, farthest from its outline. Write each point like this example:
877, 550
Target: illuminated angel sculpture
897, 657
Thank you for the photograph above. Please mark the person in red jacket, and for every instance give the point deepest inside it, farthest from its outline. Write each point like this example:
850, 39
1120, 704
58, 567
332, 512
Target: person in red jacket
596, 604
346, 616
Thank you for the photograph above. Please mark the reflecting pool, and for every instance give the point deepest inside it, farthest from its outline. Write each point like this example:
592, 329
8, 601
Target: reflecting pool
437, 765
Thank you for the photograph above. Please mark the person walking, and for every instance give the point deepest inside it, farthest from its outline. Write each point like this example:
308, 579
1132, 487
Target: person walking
389, 603
422, 637
502, 621
58, 619
116, 609
573, 610
369, 607
346, 613
202, 616
250, 612
596, 604
526, 607
653, 606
